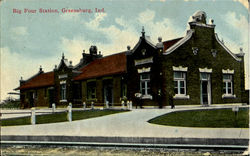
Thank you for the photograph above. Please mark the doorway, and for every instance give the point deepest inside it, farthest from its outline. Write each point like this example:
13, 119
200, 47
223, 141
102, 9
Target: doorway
205, 89
108, 91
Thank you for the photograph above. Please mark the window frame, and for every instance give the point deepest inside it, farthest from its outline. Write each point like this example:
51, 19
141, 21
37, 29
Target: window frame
146, 82
179, 80
63, 91
226, 82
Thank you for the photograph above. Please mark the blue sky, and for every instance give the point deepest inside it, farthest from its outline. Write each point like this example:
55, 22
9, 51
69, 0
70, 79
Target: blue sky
29, 40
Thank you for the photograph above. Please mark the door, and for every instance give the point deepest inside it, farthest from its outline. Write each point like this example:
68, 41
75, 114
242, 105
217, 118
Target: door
51, 97
205, 89
31, 99
108, 91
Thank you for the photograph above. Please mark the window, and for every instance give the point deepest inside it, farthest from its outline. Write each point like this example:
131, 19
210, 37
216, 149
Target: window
180, 83
63, 91
145, 84
91, 90
228, 84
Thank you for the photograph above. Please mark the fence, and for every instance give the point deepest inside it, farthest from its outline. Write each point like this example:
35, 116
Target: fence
123, 105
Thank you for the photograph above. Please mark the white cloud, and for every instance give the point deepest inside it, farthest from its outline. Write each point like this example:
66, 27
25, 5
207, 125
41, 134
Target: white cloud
146, 16
243, 2
17, 66
240, 25
164, 28
119, 38
19, 31
96, 21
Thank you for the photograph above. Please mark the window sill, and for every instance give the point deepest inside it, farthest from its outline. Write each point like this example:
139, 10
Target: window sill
63, 101
147, 97
231, 96
180, 96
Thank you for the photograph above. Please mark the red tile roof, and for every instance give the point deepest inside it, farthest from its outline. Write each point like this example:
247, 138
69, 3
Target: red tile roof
169, 43
41, 80
109, 65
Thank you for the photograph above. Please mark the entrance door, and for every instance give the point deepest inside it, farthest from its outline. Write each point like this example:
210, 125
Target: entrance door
108, 91
31, 99
51, 97
205, 91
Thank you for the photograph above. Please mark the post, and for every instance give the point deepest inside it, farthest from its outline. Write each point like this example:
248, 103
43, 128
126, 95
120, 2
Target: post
122, 104
92, 105
131, 105
84, 105
69, 115
107, 104
53, 108
236, 110
128, 104
33, 116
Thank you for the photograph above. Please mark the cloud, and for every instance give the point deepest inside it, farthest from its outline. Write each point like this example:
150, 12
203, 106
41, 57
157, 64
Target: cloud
97, 19
243, 2
17, 66
239, 24
146, 16
164, 28
19, 31
119, 37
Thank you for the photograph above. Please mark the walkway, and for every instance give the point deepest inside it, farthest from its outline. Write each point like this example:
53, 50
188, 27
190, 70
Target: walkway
128, 124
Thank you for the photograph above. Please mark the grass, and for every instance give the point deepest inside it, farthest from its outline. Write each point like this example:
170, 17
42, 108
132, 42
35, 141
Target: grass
216, 118
59, 117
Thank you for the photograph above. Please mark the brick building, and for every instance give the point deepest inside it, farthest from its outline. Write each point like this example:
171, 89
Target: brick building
195, 69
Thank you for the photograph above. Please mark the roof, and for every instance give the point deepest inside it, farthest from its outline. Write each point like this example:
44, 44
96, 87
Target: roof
169, 43
179, 42
41, 80
109, 65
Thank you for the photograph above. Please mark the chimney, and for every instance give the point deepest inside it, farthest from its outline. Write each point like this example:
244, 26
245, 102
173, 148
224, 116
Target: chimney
128, 47
93, 50
40, 69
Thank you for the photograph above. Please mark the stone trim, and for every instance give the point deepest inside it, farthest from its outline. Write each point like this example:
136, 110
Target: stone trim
62, 76
144, 70
181, 96
144, 61
205, 70
227, 71
225, 96
202, 24
63, 82
179, 43
147, 96
180, 68
233, 55
63, 101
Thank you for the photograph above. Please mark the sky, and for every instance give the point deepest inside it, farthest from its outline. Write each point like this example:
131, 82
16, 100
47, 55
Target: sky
33, 38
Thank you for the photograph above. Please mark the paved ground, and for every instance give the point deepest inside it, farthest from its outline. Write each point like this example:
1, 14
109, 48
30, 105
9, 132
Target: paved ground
129, 124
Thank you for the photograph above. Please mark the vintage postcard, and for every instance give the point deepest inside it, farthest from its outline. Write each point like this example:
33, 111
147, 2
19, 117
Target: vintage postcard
126, 77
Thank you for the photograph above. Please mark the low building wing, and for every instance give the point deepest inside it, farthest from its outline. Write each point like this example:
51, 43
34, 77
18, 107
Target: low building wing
109, 65
41, 80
